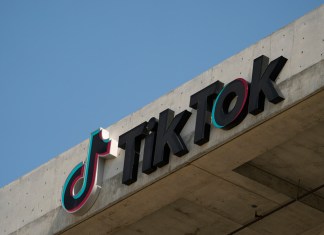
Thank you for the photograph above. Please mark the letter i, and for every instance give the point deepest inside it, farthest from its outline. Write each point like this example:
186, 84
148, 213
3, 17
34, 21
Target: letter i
149, 147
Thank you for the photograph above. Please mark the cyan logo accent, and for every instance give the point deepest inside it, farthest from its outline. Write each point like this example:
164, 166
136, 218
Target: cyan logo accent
83, 184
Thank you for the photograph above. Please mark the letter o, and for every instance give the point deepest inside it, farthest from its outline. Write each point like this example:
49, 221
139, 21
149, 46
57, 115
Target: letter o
222, 116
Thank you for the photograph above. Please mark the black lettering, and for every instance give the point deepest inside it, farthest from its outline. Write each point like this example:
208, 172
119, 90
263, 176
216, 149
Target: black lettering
168, 136
263, 83
224, 116
202, 101
131, 143
149, 147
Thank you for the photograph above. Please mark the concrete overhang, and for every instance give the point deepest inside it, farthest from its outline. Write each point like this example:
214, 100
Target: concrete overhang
269, 180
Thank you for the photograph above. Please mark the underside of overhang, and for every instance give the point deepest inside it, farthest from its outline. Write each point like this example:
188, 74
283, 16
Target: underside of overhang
269, 180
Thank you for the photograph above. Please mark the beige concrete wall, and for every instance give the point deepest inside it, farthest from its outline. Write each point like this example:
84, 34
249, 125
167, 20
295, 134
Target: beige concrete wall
31, 205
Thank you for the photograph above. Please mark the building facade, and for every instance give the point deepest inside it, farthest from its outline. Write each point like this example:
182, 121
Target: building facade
237, 150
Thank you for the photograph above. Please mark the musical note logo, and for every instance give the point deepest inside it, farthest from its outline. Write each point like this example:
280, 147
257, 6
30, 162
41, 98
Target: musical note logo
83, 184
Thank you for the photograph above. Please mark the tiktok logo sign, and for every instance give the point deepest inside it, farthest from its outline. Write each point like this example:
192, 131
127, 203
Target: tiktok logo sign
82, 186
223, 106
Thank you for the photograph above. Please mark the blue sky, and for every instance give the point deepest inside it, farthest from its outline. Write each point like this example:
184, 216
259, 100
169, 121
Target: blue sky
69, 67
